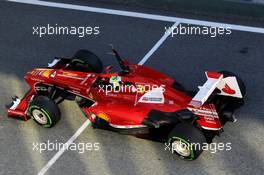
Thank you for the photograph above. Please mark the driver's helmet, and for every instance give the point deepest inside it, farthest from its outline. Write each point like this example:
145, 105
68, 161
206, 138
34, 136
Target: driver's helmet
115, 81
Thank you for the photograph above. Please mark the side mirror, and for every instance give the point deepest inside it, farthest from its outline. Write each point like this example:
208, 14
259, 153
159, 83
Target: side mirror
108, 68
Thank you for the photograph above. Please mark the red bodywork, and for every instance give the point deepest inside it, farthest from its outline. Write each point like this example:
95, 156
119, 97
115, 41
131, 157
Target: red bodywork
120, 109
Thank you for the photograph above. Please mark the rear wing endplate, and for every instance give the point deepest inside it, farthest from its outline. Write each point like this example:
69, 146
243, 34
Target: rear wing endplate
228, 86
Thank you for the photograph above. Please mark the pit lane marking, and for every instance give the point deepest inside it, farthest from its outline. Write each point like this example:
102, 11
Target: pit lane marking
158, 44
141, 15
64, 148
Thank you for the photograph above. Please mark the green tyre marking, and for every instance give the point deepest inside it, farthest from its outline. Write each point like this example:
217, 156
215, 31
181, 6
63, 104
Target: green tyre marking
191, 157
46, 113
78, 60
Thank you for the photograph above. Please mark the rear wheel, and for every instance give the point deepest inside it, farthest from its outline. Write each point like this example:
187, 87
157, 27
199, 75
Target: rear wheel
44, 111
186, 141
86, 61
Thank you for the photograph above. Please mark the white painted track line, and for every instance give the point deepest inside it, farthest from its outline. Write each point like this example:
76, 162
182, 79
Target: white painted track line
65, 147
141, 15
157, 45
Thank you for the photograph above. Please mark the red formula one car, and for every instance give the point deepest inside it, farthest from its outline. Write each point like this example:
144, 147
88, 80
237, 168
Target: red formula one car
136, 100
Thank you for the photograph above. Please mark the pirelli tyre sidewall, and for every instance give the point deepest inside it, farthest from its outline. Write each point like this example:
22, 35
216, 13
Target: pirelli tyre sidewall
44, 111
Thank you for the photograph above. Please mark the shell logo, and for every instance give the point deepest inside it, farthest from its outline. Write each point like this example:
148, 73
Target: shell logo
46, 73
103, 116
140, 89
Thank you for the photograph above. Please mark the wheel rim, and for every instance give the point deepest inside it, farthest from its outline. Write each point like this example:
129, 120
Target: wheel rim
40, 116
181, 147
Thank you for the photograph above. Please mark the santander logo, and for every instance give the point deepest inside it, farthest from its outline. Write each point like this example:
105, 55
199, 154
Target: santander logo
227, 89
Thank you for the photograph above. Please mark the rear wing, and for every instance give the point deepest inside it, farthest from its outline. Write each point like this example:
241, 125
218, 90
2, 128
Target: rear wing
227, 86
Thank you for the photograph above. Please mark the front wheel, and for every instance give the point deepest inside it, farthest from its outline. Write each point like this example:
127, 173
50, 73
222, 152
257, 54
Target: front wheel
44, 111
186, 141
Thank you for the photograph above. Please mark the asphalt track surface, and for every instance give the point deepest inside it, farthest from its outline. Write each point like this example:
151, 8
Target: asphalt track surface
183, 57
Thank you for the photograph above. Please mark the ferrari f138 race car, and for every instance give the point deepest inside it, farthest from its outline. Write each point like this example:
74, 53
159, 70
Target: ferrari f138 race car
136, 100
